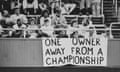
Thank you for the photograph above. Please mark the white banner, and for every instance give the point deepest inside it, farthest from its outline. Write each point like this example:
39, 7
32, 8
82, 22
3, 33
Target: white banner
75, 51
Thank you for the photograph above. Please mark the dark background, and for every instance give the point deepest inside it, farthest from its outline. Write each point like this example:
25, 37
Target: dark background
60, 69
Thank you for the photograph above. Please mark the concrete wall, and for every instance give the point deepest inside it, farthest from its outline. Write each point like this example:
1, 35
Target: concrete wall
20, 52
28, 52
114, 53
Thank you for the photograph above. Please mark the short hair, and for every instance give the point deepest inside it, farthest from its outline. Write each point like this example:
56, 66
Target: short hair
18, 20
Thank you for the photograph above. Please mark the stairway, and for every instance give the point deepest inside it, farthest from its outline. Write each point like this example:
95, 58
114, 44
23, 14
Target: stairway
108, 11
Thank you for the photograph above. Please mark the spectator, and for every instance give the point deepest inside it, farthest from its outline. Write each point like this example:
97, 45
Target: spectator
33, 28
58, 20
63, 9
6, 16
85, 4
74, 27
70, 7
75, 24
18, 32
45, 19
87, 24
17, 15
0, 15
6, 33
75, 31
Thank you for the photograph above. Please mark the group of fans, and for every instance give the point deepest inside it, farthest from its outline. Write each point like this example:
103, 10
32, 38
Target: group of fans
52, 18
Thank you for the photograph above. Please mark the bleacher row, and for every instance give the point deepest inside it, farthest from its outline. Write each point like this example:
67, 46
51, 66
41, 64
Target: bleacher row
110, 10
98, 21
69, 18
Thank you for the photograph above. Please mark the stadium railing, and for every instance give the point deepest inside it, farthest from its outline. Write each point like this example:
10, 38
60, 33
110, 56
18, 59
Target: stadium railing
109, 30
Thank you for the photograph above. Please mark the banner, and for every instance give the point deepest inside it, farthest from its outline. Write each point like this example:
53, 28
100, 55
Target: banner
75, 51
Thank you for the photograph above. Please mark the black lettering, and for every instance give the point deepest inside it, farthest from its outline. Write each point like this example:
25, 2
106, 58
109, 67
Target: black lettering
100, 52
74, 41
97, 41
47, 52
84, 51
101, 60
48, 61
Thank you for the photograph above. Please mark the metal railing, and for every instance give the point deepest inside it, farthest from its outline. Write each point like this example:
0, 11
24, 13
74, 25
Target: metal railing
106, 30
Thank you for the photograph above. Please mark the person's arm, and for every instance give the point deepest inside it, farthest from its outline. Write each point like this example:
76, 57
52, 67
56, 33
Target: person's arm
24, 18
42, 21
69, 7
35, 5
63, 21
24, 4
50, 22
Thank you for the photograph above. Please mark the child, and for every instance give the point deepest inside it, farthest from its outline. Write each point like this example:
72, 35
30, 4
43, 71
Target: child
32, 29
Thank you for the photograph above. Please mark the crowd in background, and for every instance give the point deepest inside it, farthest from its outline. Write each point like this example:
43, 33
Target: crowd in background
66, 6
13, 16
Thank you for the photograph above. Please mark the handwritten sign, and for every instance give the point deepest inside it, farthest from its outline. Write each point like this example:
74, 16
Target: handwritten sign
75, 51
